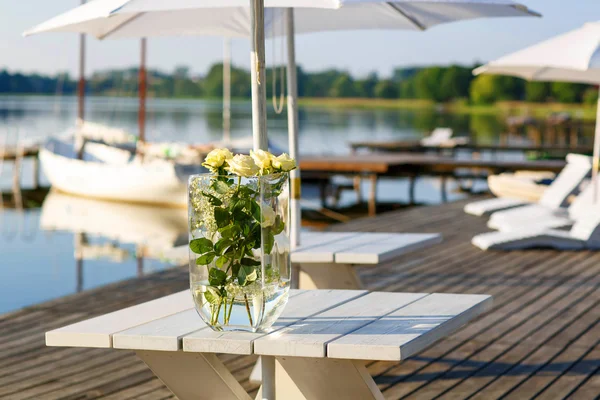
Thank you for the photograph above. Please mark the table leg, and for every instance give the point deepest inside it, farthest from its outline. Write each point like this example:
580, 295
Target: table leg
328, 276
194, 376
300, 378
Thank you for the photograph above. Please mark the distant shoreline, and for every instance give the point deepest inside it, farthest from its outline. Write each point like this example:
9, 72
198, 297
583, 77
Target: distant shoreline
585, 111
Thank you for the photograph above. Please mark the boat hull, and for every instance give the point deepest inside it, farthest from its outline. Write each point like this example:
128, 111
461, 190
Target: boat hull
155, 182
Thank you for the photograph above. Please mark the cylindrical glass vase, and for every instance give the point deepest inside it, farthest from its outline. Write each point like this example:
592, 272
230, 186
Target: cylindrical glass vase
239, 249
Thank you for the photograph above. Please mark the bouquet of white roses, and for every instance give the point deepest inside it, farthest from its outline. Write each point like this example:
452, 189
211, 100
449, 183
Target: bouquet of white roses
233, 222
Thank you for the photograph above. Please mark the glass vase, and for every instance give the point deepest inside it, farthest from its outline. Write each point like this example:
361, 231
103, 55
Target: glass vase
239, 249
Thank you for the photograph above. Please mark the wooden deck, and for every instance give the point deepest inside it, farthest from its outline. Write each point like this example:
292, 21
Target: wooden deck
541, 339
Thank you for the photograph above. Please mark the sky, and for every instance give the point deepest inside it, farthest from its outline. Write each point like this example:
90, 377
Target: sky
359, 52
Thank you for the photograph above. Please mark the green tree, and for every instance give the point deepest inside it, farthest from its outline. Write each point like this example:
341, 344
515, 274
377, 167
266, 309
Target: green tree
455, 83
407, 89
590, 96
342, 86
386, 90
537, 91
566, 92
487, 89
427, 83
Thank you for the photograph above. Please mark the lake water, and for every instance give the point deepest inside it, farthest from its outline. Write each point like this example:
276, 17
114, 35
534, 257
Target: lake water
41, 244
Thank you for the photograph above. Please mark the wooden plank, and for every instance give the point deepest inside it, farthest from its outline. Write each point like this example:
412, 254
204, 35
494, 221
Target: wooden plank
327, 252
97, 332
165, 334
309, 337
322, 249
410, 329
379, 251
307, 304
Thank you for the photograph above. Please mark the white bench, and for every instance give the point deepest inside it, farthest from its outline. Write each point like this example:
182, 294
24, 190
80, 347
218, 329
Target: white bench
317, 349
327, 260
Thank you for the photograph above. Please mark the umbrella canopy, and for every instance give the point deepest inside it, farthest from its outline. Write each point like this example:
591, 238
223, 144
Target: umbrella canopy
137, 18
570, 57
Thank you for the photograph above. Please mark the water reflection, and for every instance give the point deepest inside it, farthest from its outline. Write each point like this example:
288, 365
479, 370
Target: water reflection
72, 244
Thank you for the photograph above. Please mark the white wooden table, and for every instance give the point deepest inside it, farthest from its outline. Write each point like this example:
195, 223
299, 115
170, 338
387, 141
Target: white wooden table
327, 260
317, 349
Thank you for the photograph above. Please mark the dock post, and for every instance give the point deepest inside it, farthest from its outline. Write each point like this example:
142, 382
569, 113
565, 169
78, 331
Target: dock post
412, 179
36, 171
356, 184
443, 189
373, 195
17, 175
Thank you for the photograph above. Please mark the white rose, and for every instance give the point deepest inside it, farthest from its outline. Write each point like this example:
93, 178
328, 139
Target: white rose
262, 159
242, 165
216, 158
284, 163
268, 216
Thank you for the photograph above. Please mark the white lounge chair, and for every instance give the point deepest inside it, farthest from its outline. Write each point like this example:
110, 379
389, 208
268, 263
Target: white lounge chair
551, 219
566, 183
584, 234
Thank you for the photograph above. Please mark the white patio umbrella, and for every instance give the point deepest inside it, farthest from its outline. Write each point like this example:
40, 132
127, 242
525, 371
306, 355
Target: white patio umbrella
570, 57
144, 18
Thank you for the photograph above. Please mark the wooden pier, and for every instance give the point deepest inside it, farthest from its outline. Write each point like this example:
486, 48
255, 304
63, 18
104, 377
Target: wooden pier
417, 147
540, 340
375, 166
16, 156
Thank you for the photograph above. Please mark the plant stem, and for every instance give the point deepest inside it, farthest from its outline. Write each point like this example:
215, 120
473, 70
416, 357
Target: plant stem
230, 309
216, 316
248, 310
225, 311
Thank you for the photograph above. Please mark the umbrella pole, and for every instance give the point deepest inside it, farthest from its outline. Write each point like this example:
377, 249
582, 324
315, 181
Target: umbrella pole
257, 74
81, 82
292, 87
142, 88
227, 91
259, 138
596, 152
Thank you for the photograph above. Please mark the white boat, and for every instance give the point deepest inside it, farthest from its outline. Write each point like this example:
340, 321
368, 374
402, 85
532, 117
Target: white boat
112, 166
110, 173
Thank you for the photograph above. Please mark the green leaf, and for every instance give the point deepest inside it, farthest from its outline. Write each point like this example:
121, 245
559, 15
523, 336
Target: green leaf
205, 259
201, 245
246, 275
220, 187
222, 245
221, 217
230, 231
250, 262
254, 209
268, 241
235, 269
212, 199
278, 225
221, 261
212, 295
216, 277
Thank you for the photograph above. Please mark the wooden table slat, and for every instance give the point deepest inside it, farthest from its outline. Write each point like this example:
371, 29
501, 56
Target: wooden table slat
310, 302
309, 337
97, 332
381, 250
410, 329
326, 251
